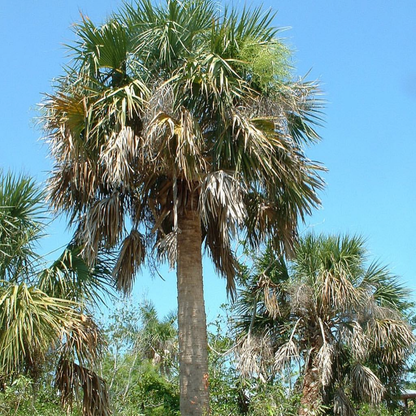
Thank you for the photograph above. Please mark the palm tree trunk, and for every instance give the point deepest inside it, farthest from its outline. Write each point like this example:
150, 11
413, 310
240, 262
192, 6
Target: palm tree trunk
193, 356
311, 390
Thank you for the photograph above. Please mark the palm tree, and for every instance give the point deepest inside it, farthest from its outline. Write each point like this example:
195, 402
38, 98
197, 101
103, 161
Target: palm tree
177, 126
344, 320
157, 339
41, 307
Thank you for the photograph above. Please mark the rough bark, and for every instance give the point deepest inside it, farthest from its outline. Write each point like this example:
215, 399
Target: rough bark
311, 390
193, 355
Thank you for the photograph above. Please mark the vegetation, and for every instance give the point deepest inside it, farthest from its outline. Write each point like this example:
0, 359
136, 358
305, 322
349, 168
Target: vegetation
178, 125
343, 322
45, 324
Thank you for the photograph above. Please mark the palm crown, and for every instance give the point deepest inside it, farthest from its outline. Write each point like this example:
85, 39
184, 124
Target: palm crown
164, 108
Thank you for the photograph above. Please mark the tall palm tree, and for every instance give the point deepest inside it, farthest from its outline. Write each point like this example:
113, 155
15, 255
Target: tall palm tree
343, 319
42, 307
176, 126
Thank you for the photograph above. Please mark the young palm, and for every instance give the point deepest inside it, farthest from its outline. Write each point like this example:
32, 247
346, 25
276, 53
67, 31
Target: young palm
41, 308
345, 320
175, 126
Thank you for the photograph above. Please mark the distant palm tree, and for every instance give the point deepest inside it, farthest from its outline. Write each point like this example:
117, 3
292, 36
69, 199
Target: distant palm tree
344, 320
157, 339
42, 307
175, 126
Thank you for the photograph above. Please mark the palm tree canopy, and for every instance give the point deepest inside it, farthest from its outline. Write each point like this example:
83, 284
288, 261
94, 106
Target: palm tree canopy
177, 107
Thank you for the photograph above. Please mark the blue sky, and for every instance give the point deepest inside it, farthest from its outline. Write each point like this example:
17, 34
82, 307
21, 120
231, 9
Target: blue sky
364, 55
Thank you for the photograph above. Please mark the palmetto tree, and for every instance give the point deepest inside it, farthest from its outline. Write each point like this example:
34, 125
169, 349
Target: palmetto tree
179, 125
43, 308
343, 319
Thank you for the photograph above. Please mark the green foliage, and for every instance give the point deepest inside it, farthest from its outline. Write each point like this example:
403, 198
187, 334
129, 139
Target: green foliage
140, 363
21, 225
20, 399
227, 395
43, 311
267, 64
274, 400
381, 410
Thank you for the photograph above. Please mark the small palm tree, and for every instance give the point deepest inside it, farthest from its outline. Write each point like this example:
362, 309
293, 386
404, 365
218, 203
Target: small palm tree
345, 321
41, 308
157, 339
178, 126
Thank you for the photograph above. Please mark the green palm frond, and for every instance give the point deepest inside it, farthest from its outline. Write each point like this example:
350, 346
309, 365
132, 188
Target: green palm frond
385, 288
71, 277
102, 52
21, 225
30, 322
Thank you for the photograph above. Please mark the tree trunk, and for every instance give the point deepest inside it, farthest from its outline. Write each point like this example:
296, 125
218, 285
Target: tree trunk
311, 390
193, 355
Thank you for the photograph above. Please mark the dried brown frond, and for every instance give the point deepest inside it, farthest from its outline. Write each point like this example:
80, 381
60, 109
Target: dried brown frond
392, 337
354, 336
117, 158
71, 377
325, 359
167, 248
82, 338
221, 195
338, 291
161, 100
222, 212
343, 405
285, 354
82, 343
270, 295
73, 184
102, 224
131, 257
255, 355
302, 299
366, 385
176, 144
219, 247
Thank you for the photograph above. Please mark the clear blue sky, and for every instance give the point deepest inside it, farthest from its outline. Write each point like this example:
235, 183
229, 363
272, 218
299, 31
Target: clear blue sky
364, 55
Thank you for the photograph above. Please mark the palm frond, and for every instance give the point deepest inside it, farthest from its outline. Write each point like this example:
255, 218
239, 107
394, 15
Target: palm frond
385, 288
70, 277
30, 323
354, 336
325, 359
254, 354
101, 48
343, 405
102, 225
21, 225
130, 259
71, 377
366, 385
286, 354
